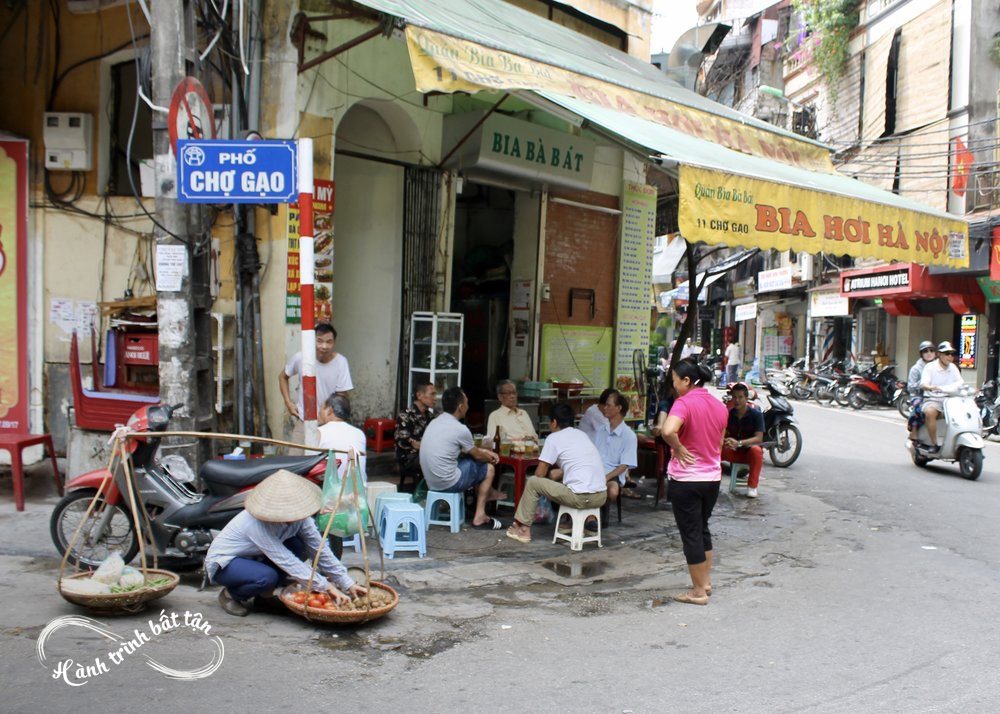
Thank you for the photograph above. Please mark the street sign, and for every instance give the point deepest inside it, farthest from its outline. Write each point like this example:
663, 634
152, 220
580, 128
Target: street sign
236, 172
190, 115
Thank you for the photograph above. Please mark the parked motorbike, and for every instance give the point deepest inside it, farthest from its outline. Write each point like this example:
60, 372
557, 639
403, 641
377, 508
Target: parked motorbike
959, 435
873, 387
782, 437
988, 402
181, 518
903, 399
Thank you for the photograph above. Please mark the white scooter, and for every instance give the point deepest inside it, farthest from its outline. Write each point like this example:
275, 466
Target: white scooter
959, 434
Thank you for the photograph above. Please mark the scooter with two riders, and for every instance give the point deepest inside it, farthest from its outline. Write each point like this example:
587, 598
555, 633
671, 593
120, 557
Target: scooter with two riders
959, 433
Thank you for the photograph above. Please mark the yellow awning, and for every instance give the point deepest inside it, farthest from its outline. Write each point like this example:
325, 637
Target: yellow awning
731, 198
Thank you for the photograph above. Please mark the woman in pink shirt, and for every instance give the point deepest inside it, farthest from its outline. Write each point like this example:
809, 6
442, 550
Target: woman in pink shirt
694, 430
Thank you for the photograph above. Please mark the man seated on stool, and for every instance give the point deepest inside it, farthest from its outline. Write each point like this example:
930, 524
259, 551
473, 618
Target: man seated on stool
593, 419
744, 433
452, 462
618, 446
337, 432
574, 471
514, 423
410, 426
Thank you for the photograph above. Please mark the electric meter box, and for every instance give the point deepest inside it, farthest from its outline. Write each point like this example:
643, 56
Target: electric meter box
68, 137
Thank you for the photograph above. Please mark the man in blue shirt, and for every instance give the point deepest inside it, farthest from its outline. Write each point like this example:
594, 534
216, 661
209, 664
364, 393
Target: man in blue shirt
616, 443
744, 434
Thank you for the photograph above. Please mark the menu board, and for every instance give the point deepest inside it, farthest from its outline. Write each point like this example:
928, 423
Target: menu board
572, 353
635, 273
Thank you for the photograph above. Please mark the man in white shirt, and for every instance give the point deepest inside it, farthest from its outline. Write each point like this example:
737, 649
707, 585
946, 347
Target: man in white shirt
337, 432
333, 376
514, 423
940, 377
593, 419
733, 359
574, 469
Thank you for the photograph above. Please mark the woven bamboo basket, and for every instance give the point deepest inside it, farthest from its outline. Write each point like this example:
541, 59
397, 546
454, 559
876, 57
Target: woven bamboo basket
340, 617
122, 603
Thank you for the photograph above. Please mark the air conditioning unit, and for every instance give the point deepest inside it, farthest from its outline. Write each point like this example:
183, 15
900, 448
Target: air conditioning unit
805, 267
68, 138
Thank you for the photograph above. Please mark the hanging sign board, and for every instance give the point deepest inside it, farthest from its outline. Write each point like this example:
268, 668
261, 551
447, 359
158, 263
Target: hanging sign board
224, 171
742, 313
967, 344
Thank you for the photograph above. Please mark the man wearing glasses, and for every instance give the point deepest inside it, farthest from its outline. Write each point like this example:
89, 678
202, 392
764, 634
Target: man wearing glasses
514, 423
939, 378
927, 355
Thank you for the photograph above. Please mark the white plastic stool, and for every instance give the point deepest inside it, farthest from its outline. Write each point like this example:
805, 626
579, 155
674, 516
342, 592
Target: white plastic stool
579, 517
456, 509
384, 498
354, 542
506, 484
738, 475
413, 536
374, 489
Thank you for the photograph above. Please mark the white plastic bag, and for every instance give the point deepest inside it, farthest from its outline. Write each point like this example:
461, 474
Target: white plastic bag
130, 578
110, 570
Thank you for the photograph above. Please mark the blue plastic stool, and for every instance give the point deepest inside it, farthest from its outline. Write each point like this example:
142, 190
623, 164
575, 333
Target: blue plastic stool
456, 509
354, 542
384, 498
409, 516
738, 475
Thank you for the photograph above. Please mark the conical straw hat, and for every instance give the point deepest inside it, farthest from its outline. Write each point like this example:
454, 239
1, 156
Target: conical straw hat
284, 497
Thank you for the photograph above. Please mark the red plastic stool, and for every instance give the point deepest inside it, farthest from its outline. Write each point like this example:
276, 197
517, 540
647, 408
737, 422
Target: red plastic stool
380, 434
13, 444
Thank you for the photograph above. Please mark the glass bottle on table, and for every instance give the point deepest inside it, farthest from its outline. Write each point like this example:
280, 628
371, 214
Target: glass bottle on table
496, 441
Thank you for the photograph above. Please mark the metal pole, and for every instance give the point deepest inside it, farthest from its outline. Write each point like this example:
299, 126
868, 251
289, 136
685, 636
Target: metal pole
174, 309
306, 284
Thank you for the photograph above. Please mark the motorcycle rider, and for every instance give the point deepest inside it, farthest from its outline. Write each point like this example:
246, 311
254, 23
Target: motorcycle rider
939, 376
916, 420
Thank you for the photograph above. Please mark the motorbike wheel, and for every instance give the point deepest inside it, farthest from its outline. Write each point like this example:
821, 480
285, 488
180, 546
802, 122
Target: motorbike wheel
67, 517
903, 405
824, 395
919, 461
842, 394
788, 448
971, 463
856, 400
800, 391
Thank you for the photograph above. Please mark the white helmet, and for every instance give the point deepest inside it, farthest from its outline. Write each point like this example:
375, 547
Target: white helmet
926, 345
946, 347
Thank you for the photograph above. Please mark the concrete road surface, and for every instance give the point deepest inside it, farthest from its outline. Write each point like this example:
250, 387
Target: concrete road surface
857, 582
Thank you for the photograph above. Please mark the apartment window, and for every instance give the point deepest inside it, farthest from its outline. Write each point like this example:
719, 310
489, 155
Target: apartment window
892, 84
124, 160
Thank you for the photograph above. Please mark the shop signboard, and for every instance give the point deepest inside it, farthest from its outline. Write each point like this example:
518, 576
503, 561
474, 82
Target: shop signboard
990, 288
323, 254
876, 283
777, 279
503, 145
829, 304
13, 285
745, 312
227, 171
967, 343
995, 256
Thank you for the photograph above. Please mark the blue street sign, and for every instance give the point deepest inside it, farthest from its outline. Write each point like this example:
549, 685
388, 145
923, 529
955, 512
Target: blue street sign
221, 171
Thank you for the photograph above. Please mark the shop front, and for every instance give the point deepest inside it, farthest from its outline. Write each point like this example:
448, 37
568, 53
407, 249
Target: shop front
899, 305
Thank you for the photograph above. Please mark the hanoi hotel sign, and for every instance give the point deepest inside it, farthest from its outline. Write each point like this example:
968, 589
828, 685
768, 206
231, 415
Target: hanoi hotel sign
503, 145
875, 283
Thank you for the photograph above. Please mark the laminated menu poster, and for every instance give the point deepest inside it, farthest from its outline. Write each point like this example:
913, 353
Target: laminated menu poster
323, 229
